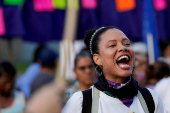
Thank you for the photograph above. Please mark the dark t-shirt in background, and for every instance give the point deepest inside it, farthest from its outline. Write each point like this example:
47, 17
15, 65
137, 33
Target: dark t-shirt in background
41, 80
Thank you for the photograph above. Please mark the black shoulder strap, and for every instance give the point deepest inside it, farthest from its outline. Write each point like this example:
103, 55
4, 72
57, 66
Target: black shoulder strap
148, 99
87, 101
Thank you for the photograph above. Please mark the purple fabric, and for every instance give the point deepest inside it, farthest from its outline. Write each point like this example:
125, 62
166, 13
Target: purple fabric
42, 26
13, 20
88, 19
126, 102
118, 85
1, 3
129, 22
46, 26
163, 22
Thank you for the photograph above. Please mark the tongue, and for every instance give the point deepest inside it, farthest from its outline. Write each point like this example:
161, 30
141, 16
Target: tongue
121, 64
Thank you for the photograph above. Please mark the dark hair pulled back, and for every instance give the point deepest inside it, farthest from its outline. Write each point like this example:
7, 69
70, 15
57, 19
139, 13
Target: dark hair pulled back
7, 67
95, 41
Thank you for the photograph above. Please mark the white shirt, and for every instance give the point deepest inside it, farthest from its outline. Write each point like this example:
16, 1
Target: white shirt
162, 88
109, 104
18, 104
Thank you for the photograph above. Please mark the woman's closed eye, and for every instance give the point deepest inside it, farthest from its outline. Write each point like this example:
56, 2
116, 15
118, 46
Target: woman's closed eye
126, 44
113, 45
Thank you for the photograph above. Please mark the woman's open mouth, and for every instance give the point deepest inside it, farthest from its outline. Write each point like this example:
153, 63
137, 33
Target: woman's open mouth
123, 61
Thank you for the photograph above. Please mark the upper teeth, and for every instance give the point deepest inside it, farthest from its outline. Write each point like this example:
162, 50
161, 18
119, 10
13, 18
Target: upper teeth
122, 58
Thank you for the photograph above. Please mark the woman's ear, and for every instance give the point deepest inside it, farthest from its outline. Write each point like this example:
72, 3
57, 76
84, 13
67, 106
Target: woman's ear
97, 59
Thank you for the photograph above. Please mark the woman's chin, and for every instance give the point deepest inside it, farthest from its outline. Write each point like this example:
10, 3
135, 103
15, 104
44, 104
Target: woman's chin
125, 74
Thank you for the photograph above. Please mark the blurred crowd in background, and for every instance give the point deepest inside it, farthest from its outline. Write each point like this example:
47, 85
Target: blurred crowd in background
49, 81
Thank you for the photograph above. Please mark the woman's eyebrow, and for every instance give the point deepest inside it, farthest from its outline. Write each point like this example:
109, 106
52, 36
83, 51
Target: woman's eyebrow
126, 39
110, 41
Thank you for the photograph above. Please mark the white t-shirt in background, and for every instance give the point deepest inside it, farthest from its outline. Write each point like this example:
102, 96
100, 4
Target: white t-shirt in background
162, 88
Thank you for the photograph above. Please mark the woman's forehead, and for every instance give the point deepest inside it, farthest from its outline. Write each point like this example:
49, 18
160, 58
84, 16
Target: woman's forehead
113, 34
84, 59
6, 76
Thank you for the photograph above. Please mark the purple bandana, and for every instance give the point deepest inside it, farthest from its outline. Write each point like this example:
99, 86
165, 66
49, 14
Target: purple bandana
126, 102
118, 85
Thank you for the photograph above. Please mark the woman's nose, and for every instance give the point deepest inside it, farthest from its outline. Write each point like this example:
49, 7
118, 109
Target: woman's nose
8, 86
87, 70
122, 48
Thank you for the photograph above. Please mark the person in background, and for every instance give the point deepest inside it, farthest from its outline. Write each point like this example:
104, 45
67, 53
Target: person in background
162, 88
155, 73
24, 81
11, 100
48, 62
49, 99
84, 71
48, 94
165, 49
141, 62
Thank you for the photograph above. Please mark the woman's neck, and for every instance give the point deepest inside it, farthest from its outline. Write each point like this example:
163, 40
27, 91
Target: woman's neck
84, 87
116, 79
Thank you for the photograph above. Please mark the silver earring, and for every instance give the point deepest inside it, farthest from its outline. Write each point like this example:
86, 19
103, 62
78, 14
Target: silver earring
97, 71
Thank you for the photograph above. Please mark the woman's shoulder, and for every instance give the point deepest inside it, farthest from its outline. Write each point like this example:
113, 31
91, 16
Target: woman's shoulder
154, 95
158, 102
74, 104
153, 92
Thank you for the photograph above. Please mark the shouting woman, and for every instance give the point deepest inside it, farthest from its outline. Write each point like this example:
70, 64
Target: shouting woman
115, 91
